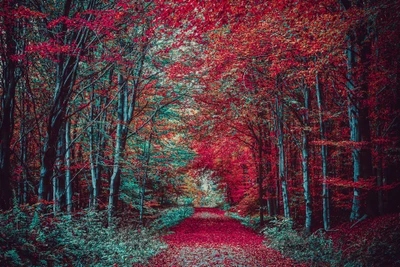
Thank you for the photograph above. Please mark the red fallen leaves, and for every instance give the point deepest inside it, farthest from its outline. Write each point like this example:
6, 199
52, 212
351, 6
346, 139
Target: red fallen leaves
209, 238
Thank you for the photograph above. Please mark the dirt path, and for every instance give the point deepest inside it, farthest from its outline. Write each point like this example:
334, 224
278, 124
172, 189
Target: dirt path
209, 238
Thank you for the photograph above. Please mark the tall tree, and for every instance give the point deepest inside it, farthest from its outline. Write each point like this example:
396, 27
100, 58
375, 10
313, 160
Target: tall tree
66, 66
12, 52
324, 154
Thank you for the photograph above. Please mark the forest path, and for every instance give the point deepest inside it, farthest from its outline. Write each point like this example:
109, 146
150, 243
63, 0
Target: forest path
209, 238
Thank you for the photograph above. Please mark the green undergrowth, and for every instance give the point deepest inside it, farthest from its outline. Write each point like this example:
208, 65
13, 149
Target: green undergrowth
172, 217
376, 243
315, 249
28, 238
249, 221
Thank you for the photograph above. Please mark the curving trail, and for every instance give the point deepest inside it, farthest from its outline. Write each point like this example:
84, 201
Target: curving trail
209, 238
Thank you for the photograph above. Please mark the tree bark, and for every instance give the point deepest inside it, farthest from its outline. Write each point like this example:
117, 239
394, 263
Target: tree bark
65, 81
93, 163
304, 161
281, 151
9, 82
260, 181
143, 189
358, 53
353, 110
66, 72
57, 180
324, 153
68, 179
120, 141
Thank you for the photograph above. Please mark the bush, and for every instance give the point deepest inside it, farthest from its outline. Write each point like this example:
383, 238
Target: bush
383, 252
248, 221
373, 242
89, 243
26, 239
171, 217
316, 249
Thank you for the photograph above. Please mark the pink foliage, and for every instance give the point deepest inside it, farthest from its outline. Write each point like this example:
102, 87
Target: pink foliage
209, 238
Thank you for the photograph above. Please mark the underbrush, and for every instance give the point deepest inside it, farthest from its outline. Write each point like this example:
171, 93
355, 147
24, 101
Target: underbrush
252, 222
172, 217
376, 242
373, 242
315, 249
30, 239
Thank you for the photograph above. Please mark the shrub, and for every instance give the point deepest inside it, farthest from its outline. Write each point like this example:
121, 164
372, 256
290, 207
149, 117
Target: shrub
27, 239
315, 249
171, 217
248, 221
89, 243
373, 242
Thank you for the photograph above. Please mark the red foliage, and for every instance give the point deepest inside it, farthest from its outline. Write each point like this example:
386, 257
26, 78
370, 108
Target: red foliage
211, 239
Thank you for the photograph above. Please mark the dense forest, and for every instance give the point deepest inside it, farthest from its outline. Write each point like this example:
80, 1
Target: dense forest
131, 112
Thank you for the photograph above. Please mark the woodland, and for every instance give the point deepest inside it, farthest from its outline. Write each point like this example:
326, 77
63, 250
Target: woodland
120, 118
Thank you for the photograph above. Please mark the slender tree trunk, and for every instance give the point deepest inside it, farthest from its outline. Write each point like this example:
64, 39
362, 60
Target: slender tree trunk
115, 180
358, 54
324, 152
304, 160
93, 166
281, 151
353, 110
359, 131
100, 156
68, 181
260, 180
97, 144
58, 179
23, 152
9, 83
126, 110
143, 189
66, 72
65, 81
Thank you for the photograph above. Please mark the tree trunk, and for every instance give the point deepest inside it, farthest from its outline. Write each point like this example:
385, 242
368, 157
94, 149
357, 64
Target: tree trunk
66, 72
324, 152
68, 181
9, 83
281, 151
260, 180
143, 189
115, 179
304, 153
358, 54
58, 179
93, 164
23, 181
353, 110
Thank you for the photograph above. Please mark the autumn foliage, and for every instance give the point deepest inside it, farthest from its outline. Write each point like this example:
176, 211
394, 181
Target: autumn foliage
270, 108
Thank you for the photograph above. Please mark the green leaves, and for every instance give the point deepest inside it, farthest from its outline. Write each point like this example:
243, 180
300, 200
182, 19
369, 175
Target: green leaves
172, 217
316, 249
84, 240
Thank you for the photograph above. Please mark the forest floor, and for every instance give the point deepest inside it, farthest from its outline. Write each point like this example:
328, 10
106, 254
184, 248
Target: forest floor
209, 238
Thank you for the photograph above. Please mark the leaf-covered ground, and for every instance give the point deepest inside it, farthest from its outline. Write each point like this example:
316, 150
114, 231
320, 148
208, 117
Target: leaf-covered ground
209, 238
